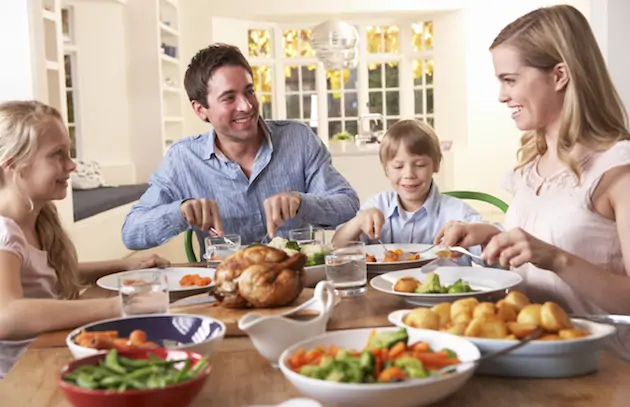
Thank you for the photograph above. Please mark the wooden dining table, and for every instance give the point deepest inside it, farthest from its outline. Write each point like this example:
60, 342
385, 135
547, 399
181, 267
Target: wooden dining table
241, 377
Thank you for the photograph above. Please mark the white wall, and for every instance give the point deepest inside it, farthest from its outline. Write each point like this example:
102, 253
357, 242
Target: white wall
103, 83
609, 20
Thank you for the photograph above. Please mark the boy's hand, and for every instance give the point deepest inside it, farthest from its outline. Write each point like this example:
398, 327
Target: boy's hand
371, 222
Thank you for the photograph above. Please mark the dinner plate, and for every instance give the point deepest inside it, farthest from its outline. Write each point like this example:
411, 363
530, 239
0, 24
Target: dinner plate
173, 274
485, 280
380, 266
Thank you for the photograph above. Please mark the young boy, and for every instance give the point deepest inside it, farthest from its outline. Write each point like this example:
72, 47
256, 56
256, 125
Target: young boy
415, 210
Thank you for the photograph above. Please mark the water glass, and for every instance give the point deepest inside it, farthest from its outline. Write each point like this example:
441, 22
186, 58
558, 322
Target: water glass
220, 247
346, 269
307, 236
143, 292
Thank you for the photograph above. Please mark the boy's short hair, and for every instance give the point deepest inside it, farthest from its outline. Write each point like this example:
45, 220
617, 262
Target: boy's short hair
418, 137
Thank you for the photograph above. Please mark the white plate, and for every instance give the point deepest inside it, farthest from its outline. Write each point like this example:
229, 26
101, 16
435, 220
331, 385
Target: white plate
486, 280
408, 393
538, 359
173, 274
376, 250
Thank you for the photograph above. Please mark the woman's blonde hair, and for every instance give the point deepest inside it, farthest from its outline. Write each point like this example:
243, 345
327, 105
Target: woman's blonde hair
592, 113
418, 138
21, 124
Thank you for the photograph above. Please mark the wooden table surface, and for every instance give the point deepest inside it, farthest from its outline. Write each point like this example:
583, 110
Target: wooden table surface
242, 377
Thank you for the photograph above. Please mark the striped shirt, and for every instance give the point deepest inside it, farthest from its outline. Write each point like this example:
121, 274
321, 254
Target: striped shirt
293, 159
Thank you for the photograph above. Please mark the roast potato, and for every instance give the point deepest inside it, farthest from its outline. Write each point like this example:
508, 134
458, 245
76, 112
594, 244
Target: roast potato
444, 312
530, 314
518, 299
553, 318
406, 285
422, 318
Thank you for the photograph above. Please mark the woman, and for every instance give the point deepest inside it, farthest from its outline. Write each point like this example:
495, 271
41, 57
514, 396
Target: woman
568, 226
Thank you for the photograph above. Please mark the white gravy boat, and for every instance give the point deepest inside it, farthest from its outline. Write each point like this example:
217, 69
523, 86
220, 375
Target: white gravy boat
272, 334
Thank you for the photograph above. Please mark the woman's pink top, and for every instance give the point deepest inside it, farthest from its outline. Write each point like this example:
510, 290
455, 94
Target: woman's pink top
559, 211
39, 280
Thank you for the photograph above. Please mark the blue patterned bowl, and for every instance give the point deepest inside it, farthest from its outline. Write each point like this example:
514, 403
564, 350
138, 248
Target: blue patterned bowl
172, 331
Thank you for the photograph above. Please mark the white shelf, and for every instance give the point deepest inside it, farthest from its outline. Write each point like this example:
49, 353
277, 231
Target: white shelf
169, 59
171, 89
68, 47
49, 15
173, 119
169, 30
52, 65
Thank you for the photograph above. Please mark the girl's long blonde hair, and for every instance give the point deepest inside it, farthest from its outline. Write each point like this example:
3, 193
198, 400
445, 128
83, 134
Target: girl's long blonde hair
592, 113
21, 124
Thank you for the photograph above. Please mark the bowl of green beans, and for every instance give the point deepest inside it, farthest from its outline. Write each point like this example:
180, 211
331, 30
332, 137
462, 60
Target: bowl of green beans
145, 377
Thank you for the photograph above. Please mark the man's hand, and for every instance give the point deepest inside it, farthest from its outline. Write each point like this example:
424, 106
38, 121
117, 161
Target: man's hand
279, 209
203, 213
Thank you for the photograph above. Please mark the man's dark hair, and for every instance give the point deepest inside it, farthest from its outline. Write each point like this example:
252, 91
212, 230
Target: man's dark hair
205, 63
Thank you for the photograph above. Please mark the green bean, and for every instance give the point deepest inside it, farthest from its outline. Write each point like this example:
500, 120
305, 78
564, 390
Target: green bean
120, 373
111, 362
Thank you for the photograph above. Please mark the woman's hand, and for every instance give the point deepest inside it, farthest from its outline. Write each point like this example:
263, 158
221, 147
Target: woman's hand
371, 222
517, 247
151, 261
466, 235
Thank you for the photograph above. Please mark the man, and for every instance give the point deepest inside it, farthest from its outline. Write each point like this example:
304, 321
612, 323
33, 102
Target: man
248, 176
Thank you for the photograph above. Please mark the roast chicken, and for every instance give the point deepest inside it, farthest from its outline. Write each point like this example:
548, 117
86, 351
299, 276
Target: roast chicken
260, 277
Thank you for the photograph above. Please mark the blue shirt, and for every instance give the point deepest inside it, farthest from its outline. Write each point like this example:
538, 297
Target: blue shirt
424, 224
293, 159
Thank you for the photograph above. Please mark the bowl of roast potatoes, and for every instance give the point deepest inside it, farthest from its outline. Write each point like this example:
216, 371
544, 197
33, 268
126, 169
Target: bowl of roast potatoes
567, 347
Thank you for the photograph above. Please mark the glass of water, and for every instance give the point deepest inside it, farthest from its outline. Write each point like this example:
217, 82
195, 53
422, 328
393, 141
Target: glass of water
220, 247
143, 292
346, 269
307, 235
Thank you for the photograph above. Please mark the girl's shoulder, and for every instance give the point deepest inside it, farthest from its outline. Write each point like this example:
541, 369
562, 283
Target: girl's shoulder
12, 237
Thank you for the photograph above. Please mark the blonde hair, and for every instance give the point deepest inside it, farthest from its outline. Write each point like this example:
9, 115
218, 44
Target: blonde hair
21, 124
418, 138
592, 112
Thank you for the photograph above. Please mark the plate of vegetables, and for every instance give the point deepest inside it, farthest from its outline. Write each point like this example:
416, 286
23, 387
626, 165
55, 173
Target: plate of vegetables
376, 367
445, 283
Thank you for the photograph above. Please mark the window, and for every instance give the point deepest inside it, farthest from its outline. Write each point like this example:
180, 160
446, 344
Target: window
263, 86
422, 41
394, 77
343, 104
301, 94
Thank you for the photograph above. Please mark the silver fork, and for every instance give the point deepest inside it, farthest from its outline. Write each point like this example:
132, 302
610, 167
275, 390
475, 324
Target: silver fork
534, 335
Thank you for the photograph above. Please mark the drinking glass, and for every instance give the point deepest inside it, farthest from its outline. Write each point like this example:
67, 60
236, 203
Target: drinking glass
220, 247
307, 235
346, 269
143, 292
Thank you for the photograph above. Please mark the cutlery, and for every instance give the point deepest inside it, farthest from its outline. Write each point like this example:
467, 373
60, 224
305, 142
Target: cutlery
385, 251
457, 249
534, 335
228, 241
605, 319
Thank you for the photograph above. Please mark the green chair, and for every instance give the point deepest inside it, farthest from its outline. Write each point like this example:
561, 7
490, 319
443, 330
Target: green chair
188, 246
480, 196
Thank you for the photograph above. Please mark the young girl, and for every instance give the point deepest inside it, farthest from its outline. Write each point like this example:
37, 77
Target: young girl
415, 210
39, 273
568, 226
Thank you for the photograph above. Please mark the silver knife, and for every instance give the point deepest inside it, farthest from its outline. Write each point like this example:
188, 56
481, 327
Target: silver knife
605, 319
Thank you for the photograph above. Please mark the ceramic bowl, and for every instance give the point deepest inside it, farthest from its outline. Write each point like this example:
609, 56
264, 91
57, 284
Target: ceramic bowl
175, 395
180, 331
538, 359
408, 393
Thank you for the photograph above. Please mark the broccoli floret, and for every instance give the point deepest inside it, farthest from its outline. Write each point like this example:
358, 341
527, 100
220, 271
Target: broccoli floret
412, 366
278, 243
388, 339
293, 245
316, 372
315, 254
459, 287
431, 285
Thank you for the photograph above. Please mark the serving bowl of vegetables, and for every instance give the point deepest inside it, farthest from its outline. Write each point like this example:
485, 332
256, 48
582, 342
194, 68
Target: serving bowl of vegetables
315, 257
196, 333
142, 377
390, 367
